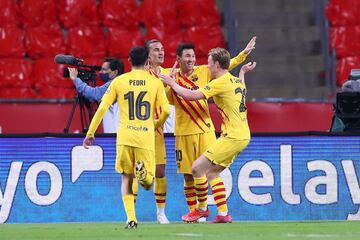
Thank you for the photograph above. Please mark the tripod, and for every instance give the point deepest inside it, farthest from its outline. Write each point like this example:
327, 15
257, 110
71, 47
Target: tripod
85, 118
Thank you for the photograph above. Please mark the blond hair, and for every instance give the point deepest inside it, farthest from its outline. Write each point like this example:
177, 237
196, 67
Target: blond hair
220, 55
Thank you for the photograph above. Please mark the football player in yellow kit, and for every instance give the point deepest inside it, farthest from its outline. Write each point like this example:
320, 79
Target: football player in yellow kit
138, 94
194, 130
229, 94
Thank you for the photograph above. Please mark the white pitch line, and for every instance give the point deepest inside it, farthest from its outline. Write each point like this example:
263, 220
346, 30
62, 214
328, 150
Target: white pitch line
313, 235
189, 234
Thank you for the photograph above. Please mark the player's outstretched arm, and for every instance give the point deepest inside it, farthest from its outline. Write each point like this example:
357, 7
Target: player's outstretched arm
95, 121
246, 68
183, 92
234, 62
163, 115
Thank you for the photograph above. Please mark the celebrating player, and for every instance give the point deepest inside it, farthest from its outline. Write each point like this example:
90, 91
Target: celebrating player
138, 94
228, 93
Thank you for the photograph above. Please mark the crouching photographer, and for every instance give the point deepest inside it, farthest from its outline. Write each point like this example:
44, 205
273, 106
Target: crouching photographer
110, 69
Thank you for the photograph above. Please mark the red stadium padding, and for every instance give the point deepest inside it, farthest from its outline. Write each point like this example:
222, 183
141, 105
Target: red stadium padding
201, 60
165, 16
120, 13
12, 42
342, 38
18, 92
198, 13
55, 92
343, 12
120, 41
86, 42
47, 73
343, 68
9, 14
204, 38
73, 13
16, 73
38, 12
127, 64
169, 38
44, 41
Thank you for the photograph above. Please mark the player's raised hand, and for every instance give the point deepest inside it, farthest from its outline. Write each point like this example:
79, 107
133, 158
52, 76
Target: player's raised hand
248, 67
88, 141
173, 70
167, 79
250, 46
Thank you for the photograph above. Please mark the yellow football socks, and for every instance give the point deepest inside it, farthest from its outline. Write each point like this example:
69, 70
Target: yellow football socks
201, 189
160, 192
190, 195
218, 191
129, 206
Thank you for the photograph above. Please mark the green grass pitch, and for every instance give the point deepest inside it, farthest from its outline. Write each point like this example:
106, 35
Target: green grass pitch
238, 230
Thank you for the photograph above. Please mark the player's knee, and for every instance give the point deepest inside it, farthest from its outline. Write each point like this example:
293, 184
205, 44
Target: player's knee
160, 171
196, 170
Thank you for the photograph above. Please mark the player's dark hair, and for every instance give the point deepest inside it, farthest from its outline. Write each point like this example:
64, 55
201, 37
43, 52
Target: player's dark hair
182, 46
222, 56
149, 42
138, 56
115, 64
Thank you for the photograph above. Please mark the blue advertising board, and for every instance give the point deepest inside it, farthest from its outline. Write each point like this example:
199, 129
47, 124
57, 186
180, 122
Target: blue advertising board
54, 179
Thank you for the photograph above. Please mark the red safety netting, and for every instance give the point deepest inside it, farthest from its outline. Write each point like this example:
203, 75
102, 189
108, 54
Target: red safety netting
16, 72
74, 13
152, 15
44, 41
198, 13
86, 42
38, 12
9, 14
120, 13
204, 38
12, 42
120, 41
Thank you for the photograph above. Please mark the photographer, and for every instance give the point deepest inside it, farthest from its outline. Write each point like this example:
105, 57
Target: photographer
110, 69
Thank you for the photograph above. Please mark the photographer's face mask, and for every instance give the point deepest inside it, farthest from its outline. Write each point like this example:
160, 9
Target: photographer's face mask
105, 77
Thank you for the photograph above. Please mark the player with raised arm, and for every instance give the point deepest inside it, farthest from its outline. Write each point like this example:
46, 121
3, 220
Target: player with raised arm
194, 130
229, 94
138, 94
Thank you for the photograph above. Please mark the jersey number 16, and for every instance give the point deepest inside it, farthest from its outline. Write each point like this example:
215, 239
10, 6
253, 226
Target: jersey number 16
139, 108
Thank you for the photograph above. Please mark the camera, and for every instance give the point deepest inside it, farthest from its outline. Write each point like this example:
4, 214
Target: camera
347, 106
87, 73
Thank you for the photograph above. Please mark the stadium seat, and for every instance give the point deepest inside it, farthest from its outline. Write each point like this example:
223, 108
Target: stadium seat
198, 13
48, 73
12, 42
342, 38
73, 13
9, 14
343, 12
44, 41
164, 16
38, 12
169, 38
204, 38
119, 13
127, 64
120, 41
18, 92
16, 73
86, 42
344, 67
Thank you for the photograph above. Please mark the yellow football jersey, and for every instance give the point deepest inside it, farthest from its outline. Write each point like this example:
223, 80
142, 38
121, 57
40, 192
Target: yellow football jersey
160, 130
138, 94
229, 94
193, 117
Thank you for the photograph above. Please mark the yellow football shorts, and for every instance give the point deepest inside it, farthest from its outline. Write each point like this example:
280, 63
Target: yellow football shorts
224, 151
189, 147
160, 152
129, 158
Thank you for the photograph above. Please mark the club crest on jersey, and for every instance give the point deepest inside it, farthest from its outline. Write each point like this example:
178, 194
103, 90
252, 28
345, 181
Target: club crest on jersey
194, 78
